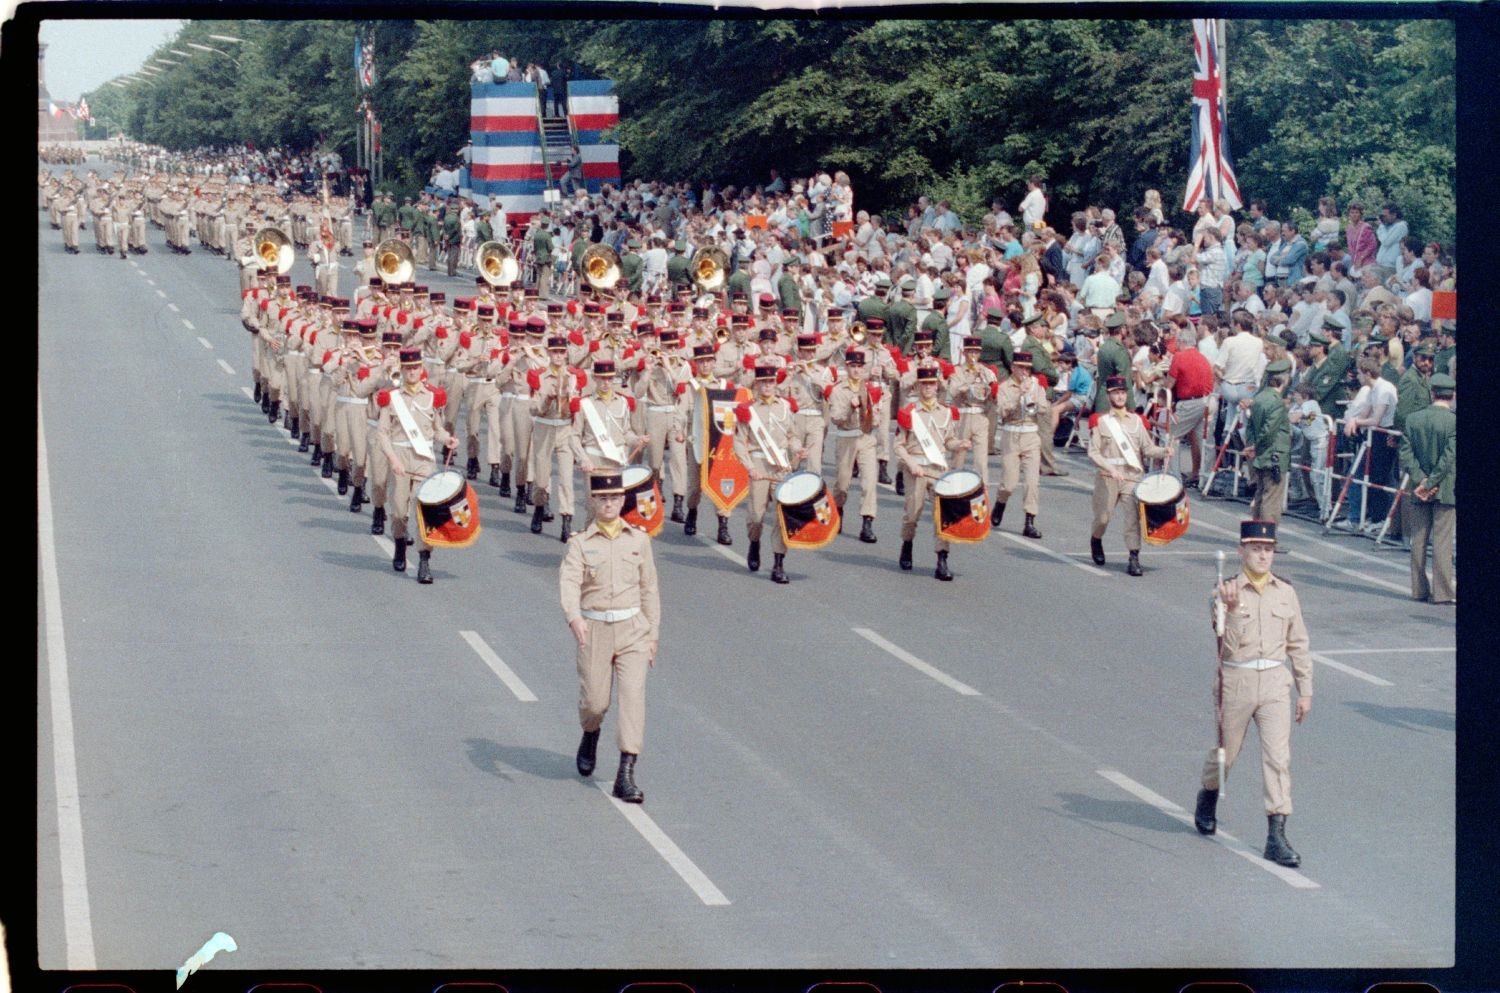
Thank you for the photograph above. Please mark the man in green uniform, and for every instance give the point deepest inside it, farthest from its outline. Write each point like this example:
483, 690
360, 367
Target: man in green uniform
938, 324
788, 295
677, 266
874, 305
452, 238
541, 251
1112, 359
1414, 392
406, 216
632, 266
1270, 448
996, 350
901, 317
1326, 373
383, 212
1429, 457
1448, 342
739, 282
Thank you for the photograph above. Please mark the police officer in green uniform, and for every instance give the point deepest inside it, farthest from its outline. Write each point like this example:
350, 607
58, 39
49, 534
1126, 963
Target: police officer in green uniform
937, 323
1325, 373
632, 266
1112, 359
1270, 443
407, 216
452, 238
1429, 446
901, 317
483, 232
677, 266
996, 346
1448, 339
1414, 392
383, 212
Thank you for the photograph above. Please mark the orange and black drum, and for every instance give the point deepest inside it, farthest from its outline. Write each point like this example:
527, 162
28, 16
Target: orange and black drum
447, 510
643, 499
809, 517
960, 512
1164, 507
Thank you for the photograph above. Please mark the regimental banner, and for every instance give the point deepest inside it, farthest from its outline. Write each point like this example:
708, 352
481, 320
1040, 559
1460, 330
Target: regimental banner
720, 475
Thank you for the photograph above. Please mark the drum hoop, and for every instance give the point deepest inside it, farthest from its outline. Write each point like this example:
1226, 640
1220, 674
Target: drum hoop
1147, 489
789, 490
633, 476
438, 479
947, 485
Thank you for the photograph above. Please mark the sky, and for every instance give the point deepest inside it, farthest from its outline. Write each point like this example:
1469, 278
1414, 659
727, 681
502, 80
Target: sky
82, 55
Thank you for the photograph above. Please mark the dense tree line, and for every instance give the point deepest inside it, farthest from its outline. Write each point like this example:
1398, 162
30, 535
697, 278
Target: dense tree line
957, 109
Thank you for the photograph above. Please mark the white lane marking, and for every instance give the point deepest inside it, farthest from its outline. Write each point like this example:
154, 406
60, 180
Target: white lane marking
205, 343
78, 928
1383, 651
149, 280
710, 894
161, 294
1289, 876
172, 307
188, 324
226, 367
1088, 567
496, 664
1304, 557
248, 392
896, 650
1322, 659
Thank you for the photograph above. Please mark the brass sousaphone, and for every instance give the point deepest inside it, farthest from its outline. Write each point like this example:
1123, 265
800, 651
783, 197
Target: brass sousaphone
395, 261
710, 268
600, 267
274, 250
497, 264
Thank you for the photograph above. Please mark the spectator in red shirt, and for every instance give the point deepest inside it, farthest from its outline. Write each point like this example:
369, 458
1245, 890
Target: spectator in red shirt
1191, 377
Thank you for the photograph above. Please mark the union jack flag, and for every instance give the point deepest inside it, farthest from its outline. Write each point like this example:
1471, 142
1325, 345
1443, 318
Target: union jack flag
1210, 169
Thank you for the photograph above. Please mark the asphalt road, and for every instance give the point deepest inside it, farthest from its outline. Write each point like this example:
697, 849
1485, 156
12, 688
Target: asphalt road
276, 736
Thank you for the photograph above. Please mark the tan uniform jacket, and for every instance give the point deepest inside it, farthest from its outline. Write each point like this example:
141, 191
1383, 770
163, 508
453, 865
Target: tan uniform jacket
1107, 455
600, 573
1268, 625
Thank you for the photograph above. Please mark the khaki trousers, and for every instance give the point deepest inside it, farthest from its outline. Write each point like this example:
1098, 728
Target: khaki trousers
916, 497
1108, 495
618, 652
1266, 698
976, 428
810, 432
659, 451
403, 491
1433, 519
352, 445
1020, 464
856, 449
547, 441
763, 516
379, 468
516, 438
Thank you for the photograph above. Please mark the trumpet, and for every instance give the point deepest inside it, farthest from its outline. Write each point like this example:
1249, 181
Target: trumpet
857, 333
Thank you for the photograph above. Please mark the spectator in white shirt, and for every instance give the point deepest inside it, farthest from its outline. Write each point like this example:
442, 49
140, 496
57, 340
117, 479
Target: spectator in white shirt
1034, 207
1241, 354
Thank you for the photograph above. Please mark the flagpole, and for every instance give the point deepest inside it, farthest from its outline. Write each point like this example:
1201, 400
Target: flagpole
1221, 32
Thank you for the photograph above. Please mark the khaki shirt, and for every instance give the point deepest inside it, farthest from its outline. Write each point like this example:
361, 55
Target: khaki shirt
601, 573
1268, 625
778, 420
845, 401
940, 423
970, 387
1106, 454
1010, 401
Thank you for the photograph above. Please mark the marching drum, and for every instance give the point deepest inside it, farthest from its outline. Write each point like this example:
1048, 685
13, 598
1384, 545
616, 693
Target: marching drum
959, 507
1164, 509
643, 499
809, 517
447, 510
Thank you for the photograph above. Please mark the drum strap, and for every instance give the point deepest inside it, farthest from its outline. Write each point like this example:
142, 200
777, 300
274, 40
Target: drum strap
930, 448
599, 424
768, 446
419, 444
1118, 434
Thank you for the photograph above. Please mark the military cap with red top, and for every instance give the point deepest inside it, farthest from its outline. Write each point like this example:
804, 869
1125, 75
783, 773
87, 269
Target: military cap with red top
703, 350
390, 338
411, 356
1252, 531
604, 367
927, 374
1021, 358
536, 325
807, 341
700, 311
437, 296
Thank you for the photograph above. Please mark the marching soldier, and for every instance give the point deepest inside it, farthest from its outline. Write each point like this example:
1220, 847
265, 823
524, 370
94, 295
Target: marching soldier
703, 378
1118, 442
1269, 433
1017, 401
807, 383
552, 393
528, 355
372, 380
613, 607
410, 426
1263, 653
972, 389
853, 407
605, 421
660, 383
926, 438
885, 366
767, 429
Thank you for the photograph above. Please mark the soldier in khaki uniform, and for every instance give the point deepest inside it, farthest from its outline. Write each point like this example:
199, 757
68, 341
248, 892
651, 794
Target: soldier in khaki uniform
411, 454
1263, 653
613, 607
769, 460
1119, 444
552, 393
1017, 401
659, 386
807, 384
972, 388
385, 376
853, 409
925, 460
528, 355
685, 434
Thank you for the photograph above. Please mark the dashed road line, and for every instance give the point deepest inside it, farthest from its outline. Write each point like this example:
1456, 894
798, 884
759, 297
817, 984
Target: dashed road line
497, 665
206, 344
226, 367
897, 651
710, 894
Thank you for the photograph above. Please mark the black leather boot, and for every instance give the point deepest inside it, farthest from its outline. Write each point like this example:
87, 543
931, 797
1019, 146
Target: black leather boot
274, 412
398, 561
885, 475
1278, 850
255, 395
752, 560
536, 520
294, 427
677, 517
841, 519
1133, 567
494, 475
504, 485
723, 537
472, 469
905, 560
867, 531
520, 507
547, 516
317, 455
343, 481
778, 573
357, 500
855, 474
997, 514
900, 483
941, 572
327, 471
567, 528
1096, 550
586, 751
690, 528
304, 443
377, 521
424, 567
625, 787
1203, 817
1030, 531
